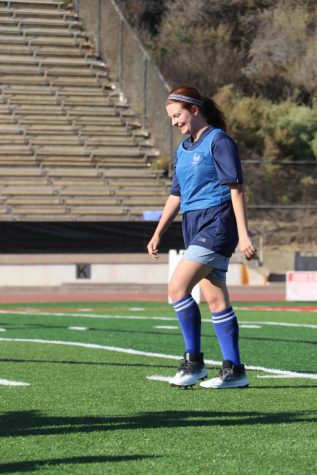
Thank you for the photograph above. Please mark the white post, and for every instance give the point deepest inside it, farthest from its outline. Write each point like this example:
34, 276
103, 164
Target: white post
173, 259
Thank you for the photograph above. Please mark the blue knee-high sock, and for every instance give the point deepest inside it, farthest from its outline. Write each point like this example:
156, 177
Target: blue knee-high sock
227, 331
189, 318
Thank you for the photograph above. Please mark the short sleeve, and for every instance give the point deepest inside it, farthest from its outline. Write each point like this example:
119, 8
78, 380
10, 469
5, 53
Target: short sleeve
175, 188
227, 161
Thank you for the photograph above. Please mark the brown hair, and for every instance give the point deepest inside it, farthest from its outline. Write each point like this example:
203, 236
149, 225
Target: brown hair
209, 109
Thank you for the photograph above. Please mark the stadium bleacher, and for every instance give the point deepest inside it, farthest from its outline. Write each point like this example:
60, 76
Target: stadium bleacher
70, 147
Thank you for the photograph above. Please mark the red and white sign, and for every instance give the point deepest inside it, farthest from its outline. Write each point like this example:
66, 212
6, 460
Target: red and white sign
301, 286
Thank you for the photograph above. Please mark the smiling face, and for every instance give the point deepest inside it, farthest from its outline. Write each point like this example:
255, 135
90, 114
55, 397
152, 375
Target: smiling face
184, 119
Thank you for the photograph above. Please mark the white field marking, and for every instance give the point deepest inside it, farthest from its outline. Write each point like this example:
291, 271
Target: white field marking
155, 377
130, 351
3, 330
166, 327
249, 326
274, 376
137, 309
78, 328
142, 317
7, 382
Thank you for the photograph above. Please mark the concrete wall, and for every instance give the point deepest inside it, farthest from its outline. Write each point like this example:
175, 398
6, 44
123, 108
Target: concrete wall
48, 275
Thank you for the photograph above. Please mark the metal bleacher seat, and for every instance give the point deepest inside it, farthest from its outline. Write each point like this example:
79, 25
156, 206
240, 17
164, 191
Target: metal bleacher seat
69, 149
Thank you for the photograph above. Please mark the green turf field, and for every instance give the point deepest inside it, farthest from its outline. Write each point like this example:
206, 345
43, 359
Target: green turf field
95, 400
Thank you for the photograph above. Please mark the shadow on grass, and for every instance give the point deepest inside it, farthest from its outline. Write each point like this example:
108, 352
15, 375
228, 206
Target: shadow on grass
25, 423
93, 363
28, 466
170, 333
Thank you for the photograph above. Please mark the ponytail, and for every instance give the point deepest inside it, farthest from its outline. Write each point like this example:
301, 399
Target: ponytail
213, 114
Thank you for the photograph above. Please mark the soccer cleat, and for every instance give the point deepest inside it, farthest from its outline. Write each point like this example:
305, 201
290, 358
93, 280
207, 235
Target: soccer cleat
230, 376
190, 371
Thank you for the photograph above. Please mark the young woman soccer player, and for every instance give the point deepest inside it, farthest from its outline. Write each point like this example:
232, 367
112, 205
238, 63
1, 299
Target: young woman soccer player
207, 188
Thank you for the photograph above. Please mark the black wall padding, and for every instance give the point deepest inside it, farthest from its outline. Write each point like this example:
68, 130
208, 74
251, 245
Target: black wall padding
78, 237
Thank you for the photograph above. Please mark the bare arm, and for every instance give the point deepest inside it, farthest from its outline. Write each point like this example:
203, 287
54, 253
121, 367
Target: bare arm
240, 211
170, 211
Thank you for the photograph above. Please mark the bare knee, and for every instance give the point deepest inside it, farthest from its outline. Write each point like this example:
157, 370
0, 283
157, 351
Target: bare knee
177, 292
217, 303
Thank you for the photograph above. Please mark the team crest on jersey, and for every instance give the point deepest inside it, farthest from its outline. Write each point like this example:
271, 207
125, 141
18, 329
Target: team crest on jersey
196, 158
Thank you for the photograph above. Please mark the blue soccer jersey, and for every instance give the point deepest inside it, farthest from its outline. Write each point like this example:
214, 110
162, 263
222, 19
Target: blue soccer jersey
203, 171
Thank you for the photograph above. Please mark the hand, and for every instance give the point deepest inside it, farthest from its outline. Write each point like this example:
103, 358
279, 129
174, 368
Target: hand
152, 247
247, 248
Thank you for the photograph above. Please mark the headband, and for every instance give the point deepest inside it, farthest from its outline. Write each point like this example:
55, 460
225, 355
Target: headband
180, 97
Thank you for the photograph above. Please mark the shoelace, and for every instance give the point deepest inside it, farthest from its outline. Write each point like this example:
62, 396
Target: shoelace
185, 366
226, 373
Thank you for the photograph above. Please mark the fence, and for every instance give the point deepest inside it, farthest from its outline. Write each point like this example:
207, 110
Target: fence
132, 69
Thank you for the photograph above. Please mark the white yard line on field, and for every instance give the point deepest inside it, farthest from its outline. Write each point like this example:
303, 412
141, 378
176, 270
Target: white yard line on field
142, 317
7, 382
154, 355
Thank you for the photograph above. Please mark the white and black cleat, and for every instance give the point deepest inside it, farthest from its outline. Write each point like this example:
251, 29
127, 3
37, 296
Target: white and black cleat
231, 376
190, 371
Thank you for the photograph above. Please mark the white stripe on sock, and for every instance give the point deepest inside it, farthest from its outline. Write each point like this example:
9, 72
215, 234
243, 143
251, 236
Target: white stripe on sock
185, 304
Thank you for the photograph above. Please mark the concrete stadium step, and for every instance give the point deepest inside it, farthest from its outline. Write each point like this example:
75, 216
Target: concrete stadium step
72, 172
33, 201
89, 202
39, 210
14, 149
12, 140
39, 109
60, 183
77, 90
86, 120
71, 52
84, 191
19, 69
95, 101
63, 23
41, 12
64, 140
79, 162
117, 129
92, 111
26, 190
30, 100
37, 3
129, 173
110, 140
100, 210
23, 172
64, 150
138, 193
14, 49
19, 181
40, 40
142, 182
9, 160
9, 79
9, 129
148, 201
39, 118
27, 89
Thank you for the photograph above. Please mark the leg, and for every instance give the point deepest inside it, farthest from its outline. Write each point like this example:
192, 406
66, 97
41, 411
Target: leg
223, 318
226, 328
187, 274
